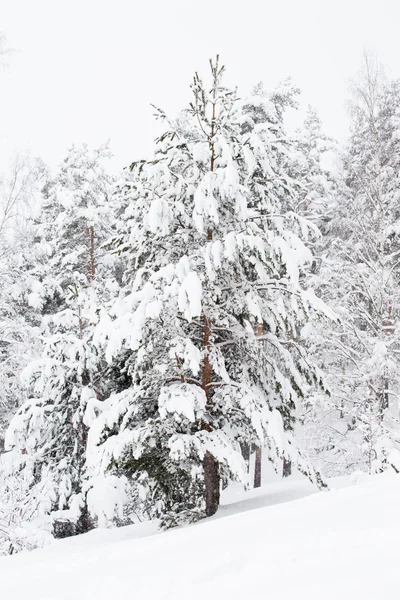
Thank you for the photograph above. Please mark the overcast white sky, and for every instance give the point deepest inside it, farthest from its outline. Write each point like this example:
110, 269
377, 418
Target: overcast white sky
87, 70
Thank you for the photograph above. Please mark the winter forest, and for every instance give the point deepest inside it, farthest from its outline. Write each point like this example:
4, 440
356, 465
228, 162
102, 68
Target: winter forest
228, 304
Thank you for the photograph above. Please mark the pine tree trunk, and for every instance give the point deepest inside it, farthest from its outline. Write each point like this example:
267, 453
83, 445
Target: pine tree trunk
210, 465
212, 484
287, 467
257, 468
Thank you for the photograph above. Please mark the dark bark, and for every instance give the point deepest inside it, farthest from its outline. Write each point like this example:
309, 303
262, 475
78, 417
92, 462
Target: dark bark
245, 449
212, 484
257, 468
287, 467
210, 465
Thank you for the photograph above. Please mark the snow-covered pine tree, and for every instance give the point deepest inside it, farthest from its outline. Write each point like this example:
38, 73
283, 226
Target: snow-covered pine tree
216, 253
48, 432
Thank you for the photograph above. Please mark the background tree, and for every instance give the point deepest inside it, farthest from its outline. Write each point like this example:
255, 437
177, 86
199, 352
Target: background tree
19, 341
360, 276
66, 281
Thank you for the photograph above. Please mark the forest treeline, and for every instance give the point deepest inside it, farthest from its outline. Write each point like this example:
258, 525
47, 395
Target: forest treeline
234, 299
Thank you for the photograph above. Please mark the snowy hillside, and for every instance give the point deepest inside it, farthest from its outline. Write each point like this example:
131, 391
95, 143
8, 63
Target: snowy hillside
338, 544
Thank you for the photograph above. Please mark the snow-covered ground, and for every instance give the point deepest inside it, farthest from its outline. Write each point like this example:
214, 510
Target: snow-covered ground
280, 542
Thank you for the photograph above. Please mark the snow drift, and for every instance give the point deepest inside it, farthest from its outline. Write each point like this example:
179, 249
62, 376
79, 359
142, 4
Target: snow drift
341, 543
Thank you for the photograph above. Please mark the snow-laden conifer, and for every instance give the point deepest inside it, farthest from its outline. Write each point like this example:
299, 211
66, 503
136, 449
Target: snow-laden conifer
217, 252
48, 433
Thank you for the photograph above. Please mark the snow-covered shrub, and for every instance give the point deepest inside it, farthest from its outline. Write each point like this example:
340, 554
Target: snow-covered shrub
24, 522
